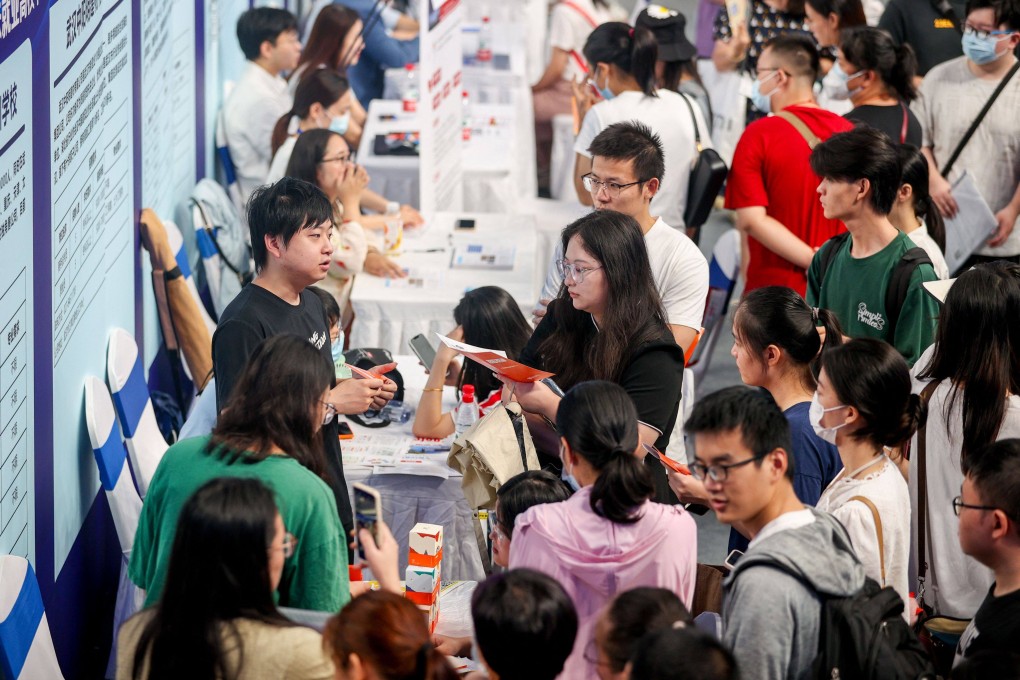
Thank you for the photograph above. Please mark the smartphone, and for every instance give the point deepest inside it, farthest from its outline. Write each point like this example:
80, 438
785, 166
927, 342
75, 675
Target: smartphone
667, 461
464, 225
423, 349
551, 384
345, 430
367, 512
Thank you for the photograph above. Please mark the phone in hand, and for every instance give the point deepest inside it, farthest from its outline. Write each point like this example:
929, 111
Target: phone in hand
367, 513
423, 349
667, 461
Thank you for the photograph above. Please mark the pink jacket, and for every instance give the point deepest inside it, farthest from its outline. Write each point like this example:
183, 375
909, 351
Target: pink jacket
594, 559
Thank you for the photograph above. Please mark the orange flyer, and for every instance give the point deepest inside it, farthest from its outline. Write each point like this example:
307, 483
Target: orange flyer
497, 361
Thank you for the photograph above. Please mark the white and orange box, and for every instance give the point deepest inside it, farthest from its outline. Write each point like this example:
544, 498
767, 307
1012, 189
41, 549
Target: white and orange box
423, 576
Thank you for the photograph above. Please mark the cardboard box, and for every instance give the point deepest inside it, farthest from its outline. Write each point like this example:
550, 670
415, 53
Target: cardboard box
425, 545
422, 585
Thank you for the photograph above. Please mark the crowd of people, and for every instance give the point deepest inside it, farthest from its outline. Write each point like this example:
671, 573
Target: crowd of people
872, 454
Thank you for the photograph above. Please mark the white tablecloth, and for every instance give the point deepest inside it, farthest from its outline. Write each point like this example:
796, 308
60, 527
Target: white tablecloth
408, 499
388, 313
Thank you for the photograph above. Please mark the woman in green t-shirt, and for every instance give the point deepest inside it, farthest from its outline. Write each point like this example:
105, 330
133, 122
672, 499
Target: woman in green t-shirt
269, 430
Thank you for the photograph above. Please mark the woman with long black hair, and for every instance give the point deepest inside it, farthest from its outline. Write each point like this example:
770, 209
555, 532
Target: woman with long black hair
486, 317
217, 618
607, 323
975, 401
608, 537
915, 214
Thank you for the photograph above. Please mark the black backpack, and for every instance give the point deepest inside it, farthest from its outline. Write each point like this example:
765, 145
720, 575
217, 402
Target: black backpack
899, 282
864, 637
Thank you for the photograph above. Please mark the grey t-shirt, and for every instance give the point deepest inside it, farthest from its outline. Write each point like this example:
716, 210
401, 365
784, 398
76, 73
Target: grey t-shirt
951, 98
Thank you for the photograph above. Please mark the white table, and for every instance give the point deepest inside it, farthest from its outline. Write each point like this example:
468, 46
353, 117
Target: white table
411, 498
388, 313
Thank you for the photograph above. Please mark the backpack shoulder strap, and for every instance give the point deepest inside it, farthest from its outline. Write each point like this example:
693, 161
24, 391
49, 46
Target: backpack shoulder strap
878, 531
810, 137
827, 253
899, 284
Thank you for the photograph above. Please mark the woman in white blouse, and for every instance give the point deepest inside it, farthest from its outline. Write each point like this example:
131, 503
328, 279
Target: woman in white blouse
863, 405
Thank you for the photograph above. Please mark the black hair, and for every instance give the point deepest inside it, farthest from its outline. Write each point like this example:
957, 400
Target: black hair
682, 654
798, 54
872, 49
673, 73
980, 310
326, 39
635, 613
631, 141
525, 624
861, 153
600, 423
283, 209
526, 490
309, 150
873, 377
915, 173
995, 471
633, 315
1000, 664
274, 403
323, 86
1007, 12
752, 412
218, 572
329, 303
261, 24
490, 318
776, 315
849, 12
633, 50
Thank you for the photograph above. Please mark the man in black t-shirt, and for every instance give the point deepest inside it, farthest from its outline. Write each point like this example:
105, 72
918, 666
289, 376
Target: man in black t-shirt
989, 511
934, 34
291, 223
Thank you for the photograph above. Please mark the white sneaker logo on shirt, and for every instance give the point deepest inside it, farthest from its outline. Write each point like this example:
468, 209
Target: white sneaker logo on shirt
873, 319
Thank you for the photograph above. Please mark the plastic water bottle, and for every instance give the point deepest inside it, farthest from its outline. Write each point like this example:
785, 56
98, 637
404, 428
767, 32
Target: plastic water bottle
467, 411
410, 94
465, 106
484, 54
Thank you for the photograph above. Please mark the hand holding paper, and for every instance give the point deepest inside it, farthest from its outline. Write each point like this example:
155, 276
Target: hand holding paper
497, 361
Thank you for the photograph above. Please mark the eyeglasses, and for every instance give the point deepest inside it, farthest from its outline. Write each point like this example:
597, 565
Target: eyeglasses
982, 34
593, 185
958, 504
575, 272
327, 418
342, 158
719, 473
289, 545
760, 71
496, 532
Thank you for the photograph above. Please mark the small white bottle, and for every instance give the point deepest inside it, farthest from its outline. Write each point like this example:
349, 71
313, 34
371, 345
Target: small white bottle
467, 411
410, 93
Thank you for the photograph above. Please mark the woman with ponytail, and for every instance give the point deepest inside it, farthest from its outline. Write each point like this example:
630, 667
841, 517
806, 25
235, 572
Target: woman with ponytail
621, 68
879, 81
776, 344
975, 366
913, 212
383, 636
609, 536
863, 405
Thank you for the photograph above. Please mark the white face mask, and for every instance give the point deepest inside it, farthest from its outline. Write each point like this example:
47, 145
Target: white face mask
815, 414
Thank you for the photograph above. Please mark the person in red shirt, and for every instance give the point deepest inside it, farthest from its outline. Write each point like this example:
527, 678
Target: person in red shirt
771, 185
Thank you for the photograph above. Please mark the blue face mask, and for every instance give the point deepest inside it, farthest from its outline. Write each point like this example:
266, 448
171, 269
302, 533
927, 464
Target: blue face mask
980, 50
762, 102
340, 124
606, 93
836, 83
567, 476
337, 348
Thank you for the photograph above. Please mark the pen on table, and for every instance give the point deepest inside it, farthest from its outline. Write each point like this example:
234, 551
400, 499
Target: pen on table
425, 250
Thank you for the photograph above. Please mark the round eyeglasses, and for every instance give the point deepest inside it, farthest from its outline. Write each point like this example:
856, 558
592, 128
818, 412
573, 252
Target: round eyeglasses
593, 186
574, 271
719, 473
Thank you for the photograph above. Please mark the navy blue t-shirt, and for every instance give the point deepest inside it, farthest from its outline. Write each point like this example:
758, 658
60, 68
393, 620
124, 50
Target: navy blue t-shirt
815, 463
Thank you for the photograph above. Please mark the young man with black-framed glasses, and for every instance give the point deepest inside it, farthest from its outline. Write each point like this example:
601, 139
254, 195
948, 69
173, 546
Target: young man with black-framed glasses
772, 600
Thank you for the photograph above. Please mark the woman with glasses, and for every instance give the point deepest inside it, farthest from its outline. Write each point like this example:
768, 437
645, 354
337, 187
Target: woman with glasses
863, 405
607, 323
322, 157
622, 70
485, 317
269, 430
609, 536
971, 378
324, 101
216, 617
